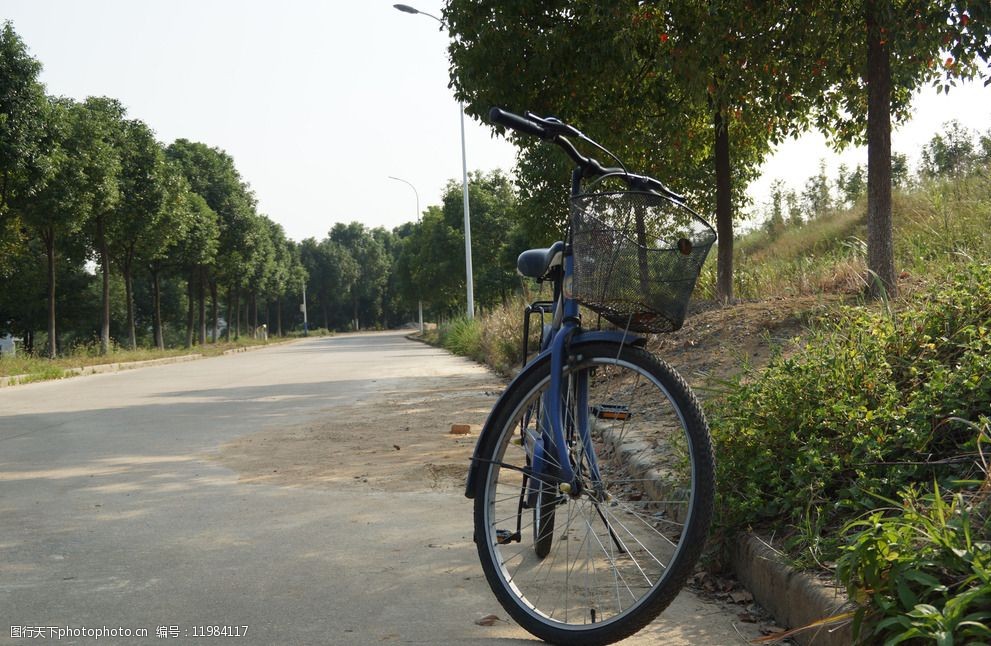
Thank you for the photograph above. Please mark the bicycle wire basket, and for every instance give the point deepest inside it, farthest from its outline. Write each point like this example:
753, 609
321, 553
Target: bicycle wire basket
637, 257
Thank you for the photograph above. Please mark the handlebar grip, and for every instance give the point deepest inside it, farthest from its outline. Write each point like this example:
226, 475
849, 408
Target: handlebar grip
516, 122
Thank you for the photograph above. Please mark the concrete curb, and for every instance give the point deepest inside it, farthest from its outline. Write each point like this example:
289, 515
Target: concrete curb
795, 598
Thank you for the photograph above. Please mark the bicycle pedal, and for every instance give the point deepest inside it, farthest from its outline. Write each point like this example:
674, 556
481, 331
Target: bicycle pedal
611, 411
504, 537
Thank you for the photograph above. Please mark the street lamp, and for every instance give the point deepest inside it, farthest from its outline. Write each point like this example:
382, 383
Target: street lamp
417, 194
464, 179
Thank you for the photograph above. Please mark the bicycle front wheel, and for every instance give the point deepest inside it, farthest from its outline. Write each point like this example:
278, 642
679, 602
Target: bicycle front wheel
625, 539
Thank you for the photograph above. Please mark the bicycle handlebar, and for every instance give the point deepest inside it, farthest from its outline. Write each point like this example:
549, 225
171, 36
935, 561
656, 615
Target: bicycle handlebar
554, 130
516, 122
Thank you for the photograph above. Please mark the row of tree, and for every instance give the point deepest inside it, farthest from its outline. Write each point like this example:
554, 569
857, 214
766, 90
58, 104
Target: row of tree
698, 91
360, 277
954, 153
90, 201
107, 234
82, 183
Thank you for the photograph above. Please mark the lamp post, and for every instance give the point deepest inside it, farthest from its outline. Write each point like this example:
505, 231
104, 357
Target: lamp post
464, 180
419, 303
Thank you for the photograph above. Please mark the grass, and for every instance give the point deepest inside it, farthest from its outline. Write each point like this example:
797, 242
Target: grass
40, 369
937, 224
493, 338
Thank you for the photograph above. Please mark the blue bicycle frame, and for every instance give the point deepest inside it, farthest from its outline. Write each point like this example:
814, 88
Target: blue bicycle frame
565, 338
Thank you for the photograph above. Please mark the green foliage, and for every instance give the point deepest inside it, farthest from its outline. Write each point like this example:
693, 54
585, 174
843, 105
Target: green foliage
921, 569
697, 82
431, 259
463, 336
80, 182
952, 153
331, 271
867, 406
22, 113
935, 42
372, 265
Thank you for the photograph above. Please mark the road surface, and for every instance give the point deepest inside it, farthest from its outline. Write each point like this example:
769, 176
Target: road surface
305, 493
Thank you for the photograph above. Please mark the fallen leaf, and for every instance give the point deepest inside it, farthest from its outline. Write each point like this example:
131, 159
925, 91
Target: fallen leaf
741, 596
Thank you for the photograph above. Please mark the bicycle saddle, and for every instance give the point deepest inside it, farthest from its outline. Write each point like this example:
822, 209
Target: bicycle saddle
536, 262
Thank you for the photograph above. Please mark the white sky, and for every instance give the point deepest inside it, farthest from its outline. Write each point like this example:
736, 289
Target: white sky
318, 102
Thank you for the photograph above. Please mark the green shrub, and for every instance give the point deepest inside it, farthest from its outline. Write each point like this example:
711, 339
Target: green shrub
868, 406
463, 336
921, 570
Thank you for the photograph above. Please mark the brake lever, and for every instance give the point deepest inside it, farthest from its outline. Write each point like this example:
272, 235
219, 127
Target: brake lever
555, 125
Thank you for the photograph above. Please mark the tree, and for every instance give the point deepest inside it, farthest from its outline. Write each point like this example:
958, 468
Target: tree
283, 275
24, 108
103, 118
158, 239
879, 52
63, 192
436, 261
260, 261
899, 170
694, 92
951, 153
851, 185
775, 223
372, 270
816, 195
331, 273
22, 299
211, 174
136, 225
196, 250
493, 216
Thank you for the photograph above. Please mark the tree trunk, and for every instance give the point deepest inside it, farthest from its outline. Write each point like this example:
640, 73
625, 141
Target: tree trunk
278, 315
880, 245
156, 306
213, 306
190, 306
230, 312
201, 289
132, 339
101, 241
237, 313
724, 212
49, 237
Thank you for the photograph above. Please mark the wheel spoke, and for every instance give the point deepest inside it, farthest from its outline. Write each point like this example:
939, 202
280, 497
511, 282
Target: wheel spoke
623, 539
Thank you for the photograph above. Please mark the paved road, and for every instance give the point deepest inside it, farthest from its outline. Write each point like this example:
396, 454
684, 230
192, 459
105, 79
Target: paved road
114, 513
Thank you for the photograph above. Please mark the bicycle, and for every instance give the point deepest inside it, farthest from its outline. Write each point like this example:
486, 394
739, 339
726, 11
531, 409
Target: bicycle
592, 478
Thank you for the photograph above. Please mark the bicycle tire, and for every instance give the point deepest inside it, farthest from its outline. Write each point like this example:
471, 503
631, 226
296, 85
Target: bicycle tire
646, 516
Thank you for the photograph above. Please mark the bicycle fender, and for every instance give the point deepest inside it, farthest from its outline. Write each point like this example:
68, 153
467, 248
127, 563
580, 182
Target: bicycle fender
617, 337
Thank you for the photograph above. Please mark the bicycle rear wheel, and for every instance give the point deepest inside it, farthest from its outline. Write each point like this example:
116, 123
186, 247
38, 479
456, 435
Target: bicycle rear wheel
624, 542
